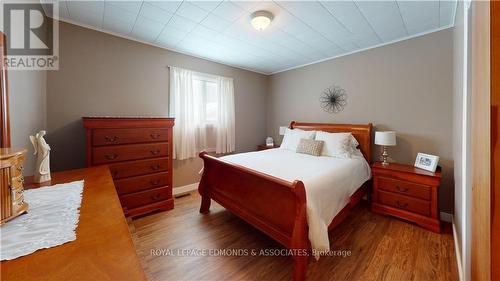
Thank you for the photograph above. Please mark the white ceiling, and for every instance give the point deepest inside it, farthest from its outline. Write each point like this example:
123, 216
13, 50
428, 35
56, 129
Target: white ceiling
302, 32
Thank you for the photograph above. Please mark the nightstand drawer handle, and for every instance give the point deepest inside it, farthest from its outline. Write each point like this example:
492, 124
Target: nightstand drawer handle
156, 167
155, 152
401, 205
404, 189
111, 139
155, 182
111, 156
155, 136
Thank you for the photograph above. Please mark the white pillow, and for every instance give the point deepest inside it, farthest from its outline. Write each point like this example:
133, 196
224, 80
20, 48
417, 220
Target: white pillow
340, 145
292, 138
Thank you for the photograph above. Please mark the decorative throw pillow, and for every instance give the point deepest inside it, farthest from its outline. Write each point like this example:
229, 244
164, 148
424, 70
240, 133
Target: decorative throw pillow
292, 138
311, 147
338, 145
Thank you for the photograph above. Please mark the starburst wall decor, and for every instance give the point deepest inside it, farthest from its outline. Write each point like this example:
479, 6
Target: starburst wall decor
333, 99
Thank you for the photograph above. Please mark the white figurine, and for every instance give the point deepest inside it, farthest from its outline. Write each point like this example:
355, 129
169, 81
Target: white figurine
42, 167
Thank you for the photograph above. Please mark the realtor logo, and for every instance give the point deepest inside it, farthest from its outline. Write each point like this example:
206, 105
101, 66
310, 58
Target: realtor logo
32, 36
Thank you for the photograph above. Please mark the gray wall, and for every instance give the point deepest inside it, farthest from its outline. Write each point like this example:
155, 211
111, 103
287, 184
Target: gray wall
102, 74
406, 87
27, 101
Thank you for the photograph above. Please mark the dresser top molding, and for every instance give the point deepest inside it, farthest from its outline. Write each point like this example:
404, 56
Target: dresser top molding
94, 122
407, 169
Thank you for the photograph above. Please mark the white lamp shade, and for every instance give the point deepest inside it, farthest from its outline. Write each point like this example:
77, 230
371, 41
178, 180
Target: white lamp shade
283, 130
387, 138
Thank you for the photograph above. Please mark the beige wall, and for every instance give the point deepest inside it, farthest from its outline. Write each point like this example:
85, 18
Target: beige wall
27, 110
102, 74
406, 87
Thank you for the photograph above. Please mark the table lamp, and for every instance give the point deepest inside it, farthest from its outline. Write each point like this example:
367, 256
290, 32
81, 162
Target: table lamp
385, 138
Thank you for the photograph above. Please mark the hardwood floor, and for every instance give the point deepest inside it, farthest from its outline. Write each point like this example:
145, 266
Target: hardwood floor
381, 248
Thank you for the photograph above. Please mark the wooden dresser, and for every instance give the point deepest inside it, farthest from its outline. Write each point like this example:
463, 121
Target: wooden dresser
138, 152
407, 192
103, 249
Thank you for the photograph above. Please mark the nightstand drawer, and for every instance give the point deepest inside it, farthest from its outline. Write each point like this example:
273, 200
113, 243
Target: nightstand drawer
405, 203
404, 187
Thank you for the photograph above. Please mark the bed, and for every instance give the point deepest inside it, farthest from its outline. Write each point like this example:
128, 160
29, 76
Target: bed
269, 198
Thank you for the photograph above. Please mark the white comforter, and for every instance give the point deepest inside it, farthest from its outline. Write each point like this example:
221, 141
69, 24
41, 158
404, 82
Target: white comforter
329, 182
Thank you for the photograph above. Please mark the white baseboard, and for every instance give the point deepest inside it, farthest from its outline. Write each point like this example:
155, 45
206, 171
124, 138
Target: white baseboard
457, 252
185, 189
447, 217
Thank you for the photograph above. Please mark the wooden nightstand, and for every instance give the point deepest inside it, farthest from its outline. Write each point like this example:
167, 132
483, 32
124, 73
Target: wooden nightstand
264, 147
408, 193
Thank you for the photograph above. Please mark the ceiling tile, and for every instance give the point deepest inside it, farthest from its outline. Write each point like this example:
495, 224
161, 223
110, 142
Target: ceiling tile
88, 13
384, 17
204, 32
170, 31
318, 18
419, 16
446, 12
118, 27
249, 6
130, 6
206, 5
215, 23
146, 29
170, 37
117, 14
169, 6
191, 12
348, 14
181, 23
228, 11
153, 13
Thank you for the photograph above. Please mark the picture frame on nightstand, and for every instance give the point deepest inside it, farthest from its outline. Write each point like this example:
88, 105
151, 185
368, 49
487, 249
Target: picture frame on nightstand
426, 162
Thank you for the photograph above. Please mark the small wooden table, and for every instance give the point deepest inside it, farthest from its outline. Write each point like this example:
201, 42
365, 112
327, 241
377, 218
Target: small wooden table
264, 147
103, 249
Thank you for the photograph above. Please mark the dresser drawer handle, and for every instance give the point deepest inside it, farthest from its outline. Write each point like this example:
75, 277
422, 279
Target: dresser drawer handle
111, 156
155, 136
401, 205
155, 196
155, 182
155, 152
111, 139
402, 189
156, 167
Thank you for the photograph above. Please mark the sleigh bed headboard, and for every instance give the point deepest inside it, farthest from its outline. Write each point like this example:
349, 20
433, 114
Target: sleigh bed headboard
362, 133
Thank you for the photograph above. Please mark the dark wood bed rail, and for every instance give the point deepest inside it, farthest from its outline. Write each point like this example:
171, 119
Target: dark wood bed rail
276, 218
272, 205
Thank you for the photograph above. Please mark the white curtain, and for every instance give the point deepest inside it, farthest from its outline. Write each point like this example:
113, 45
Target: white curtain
188, 107
225, 137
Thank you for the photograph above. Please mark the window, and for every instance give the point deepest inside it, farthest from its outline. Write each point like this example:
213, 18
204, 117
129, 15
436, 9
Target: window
205, 88
203, 107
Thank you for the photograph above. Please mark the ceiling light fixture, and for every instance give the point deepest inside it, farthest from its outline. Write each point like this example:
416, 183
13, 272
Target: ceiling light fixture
261, 19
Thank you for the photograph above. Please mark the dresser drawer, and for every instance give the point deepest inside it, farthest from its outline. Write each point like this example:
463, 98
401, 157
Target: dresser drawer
140, 183
139, 167
405, 203
404, 187
142, 198
118, 153
126, 136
